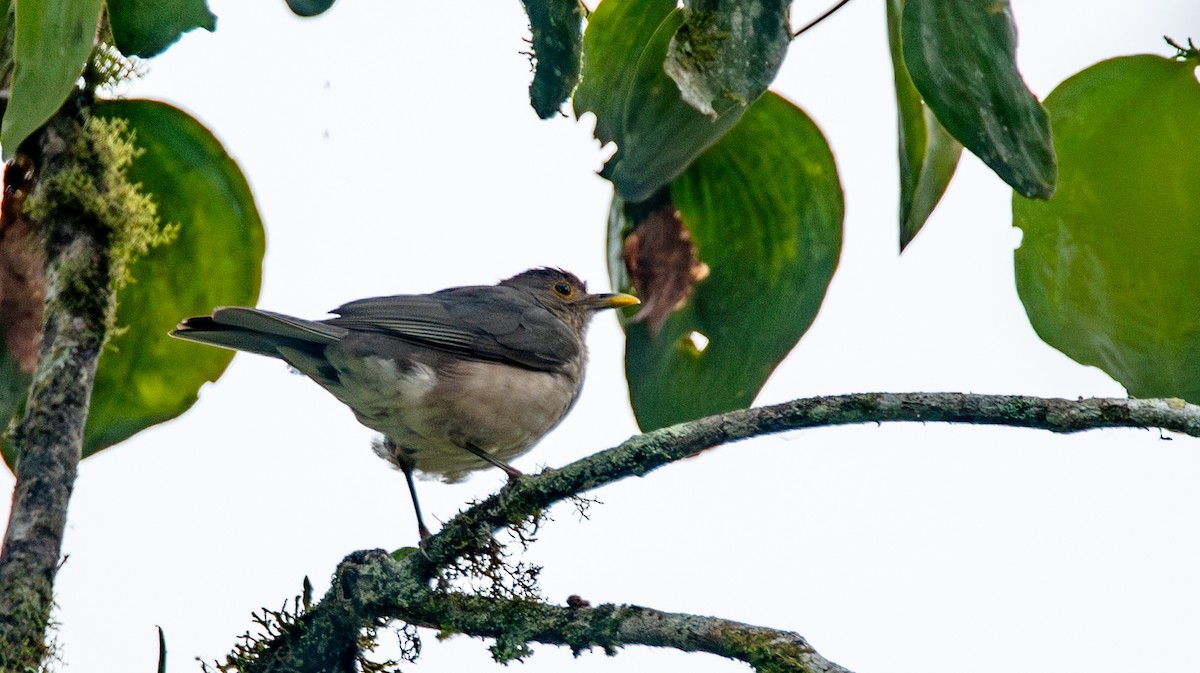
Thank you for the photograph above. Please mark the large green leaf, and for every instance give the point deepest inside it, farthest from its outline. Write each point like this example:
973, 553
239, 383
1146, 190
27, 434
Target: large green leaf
636, 104
928, 153
1108, 269
53, 41
764, 208
616, 35
961, 55
726, 53
147, 27
555, 27
145, 377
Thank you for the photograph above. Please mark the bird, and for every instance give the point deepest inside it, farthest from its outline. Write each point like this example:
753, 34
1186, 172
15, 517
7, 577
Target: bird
456, 381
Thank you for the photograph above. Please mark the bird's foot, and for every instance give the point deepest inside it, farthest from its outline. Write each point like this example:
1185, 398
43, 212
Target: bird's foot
513, 473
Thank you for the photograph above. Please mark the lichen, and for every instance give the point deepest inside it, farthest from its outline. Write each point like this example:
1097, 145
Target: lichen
765, 651
556, 52
46, 650
489, 570
92, 183
700, 38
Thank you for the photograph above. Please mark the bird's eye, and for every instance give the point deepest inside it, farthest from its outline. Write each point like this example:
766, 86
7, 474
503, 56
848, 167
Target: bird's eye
563, 289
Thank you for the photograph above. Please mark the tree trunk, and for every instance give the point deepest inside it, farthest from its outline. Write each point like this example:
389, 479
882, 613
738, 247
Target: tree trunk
48, 438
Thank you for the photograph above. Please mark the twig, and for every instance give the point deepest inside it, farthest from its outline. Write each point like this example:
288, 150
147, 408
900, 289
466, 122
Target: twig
812, 24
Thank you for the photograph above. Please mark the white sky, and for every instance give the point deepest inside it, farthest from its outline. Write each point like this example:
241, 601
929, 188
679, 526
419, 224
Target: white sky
392, 149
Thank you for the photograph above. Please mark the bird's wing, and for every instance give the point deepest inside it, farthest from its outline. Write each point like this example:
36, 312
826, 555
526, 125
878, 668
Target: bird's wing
486, 322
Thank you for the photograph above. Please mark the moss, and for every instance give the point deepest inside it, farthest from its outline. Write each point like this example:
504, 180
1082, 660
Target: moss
766, 652
109, 68
699, 39
91, 184
1020, 408
556, 31
44, 650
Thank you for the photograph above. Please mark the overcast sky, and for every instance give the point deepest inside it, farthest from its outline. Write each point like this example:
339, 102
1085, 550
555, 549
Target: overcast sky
392, 149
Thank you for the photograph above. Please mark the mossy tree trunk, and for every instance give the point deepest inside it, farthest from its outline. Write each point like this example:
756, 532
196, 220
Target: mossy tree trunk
48, 437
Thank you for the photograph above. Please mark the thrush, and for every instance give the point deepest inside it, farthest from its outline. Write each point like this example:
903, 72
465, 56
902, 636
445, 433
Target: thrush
456, 381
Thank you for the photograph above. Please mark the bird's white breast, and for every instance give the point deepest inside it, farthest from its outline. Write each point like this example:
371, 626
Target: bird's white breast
500, 409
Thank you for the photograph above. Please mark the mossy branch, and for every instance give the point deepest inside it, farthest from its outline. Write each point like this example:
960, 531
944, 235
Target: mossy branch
370, 588
91, 221
642, 453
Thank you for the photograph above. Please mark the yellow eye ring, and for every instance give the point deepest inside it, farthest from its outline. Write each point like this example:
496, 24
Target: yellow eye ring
563, 289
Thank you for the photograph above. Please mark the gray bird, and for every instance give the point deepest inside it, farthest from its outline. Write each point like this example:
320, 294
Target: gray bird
456, 380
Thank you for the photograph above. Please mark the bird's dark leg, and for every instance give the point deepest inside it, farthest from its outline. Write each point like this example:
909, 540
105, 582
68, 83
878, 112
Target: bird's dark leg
512, 472
406, 466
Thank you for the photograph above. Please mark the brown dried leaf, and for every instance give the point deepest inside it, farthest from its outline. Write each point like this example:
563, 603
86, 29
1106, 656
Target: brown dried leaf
663, 265
22, 271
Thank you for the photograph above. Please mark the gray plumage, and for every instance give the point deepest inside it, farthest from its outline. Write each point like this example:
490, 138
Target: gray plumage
455, 380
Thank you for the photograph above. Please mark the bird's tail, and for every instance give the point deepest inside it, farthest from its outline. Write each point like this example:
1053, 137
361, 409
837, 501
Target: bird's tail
257, 331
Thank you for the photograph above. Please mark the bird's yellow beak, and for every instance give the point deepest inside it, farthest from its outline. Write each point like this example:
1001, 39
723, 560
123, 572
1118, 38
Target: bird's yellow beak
619, 300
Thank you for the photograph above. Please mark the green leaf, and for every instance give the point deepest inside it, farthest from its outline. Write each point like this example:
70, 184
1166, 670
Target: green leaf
556, 27
53, 41
403, 553
309, 7
7, 18
1107, 269
961, 55
636, 104
145, 377
14, 389
726, 53
771, 250
146, 28
928, 153
616, 35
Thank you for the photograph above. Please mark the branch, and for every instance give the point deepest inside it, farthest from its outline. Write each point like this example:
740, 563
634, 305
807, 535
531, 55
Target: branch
47, 439
642, 453
370, 588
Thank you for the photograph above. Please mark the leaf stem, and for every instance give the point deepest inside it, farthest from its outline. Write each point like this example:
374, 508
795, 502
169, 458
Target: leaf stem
812, 24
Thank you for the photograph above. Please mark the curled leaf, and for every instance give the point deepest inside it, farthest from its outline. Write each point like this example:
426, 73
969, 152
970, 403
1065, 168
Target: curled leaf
639, 107
928, 153
725, 54
961, 55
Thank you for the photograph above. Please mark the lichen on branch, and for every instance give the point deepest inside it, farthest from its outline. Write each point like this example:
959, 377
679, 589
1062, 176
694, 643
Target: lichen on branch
80, 208
92, 182
371, 587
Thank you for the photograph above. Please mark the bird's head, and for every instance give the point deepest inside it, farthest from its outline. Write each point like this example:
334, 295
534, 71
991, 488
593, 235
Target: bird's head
565, 295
